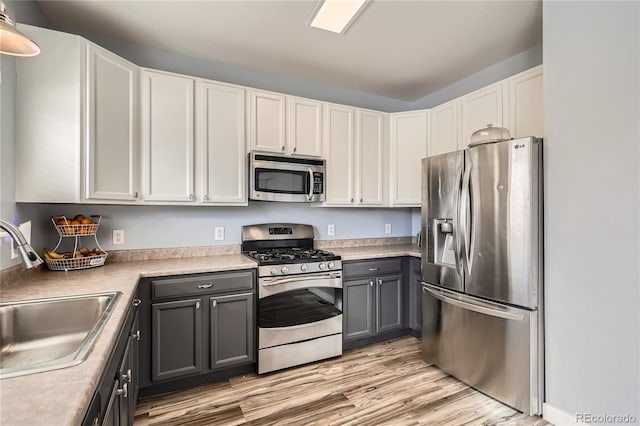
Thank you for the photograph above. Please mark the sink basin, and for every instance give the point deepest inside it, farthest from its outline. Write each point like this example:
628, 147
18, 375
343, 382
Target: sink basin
47, 334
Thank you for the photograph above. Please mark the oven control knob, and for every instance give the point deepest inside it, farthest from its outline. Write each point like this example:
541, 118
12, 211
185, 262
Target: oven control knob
331, 265
284, 269
304, 267
322, 266
274, 271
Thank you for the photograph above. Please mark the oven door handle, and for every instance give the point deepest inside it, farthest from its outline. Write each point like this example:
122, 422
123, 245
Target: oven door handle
299, 278
310, 194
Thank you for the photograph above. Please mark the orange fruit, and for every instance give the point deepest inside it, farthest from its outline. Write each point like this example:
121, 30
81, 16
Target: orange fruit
86, 221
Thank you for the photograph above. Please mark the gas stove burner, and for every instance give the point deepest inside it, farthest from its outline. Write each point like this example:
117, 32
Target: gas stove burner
290, 255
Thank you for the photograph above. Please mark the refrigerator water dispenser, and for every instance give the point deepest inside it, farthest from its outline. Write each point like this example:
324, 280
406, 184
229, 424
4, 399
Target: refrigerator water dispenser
443, 242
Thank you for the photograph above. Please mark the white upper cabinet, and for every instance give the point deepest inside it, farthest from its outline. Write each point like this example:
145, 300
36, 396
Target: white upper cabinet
369, 153
112, 130
221, 112
525, 104
76, 123
305, 127
339, 146
480, 108
444, 129
267, 131
167, 137
408, 148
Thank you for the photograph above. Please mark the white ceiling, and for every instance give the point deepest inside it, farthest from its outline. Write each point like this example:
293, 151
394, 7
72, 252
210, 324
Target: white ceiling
397, 49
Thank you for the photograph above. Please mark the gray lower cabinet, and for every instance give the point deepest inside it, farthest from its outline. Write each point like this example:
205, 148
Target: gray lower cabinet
372, 298
197, 324
415, 294
232, 330
176, 338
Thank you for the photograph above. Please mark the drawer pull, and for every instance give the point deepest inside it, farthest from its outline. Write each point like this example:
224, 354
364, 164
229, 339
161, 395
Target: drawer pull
214, 303
205, 286
374, 269
137, 302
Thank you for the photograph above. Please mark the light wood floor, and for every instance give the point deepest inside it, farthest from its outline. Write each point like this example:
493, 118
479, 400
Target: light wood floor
386, 383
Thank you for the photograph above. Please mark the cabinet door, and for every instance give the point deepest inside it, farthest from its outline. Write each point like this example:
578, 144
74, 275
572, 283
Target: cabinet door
112, 121
408, 148
388, 303
134, 359
478, 109
339, 153
125, 372
222, 131
358, 313
167, 136
112, 412
443, 129
415, 296
370, 143
305, 127
267, 121
176, 339
525, 104
232, 330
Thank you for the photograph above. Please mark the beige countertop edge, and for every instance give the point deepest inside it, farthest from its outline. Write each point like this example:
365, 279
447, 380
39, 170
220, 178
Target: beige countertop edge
45, 398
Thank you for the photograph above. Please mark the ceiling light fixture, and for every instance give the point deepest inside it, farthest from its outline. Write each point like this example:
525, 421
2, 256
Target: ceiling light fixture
12, 41
336, 15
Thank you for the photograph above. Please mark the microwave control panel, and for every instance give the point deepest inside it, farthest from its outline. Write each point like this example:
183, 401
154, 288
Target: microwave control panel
318, 182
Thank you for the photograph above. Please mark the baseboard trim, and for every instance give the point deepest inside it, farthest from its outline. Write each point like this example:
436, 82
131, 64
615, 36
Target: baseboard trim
558, 417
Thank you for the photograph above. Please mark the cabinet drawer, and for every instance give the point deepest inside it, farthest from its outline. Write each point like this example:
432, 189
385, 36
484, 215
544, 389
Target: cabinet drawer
372, 267
201, 284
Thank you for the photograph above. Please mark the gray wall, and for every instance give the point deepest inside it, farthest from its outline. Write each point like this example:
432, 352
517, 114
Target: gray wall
592, 213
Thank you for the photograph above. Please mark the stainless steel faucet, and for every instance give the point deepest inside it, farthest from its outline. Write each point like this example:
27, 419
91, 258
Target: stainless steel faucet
29, 257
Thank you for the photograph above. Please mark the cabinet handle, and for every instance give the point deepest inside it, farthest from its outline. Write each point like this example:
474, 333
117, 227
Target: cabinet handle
374, 269
352, 200
124, 391
135, 195
136, 335
205, 198
205, 285
294, 149
214, 303
136, 302
360, 199
191, 196
379, 281
283, 147
126, 377
197, 305
371, 283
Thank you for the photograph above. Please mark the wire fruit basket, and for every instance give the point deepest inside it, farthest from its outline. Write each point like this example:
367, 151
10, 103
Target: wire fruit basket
79, 257
71, 263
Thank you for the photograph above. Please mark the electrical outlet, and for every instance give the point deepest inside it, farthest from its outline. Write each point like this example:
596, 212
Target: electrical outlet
331, 230
387, 228
219, 233
118, 237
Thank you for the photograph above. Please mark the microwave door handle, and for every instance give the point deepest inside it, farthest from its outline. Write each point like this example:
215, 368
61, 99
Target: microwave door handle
310, 194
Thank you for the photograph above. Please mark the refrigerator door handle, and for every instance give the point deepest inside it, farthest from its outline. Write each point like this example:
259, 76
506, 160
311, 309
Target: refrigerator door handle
464, 206
457, 252
471, 304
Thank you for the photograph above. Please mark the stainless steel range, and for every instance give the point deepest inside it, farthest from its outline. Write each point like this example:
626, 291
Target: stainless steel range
299, 296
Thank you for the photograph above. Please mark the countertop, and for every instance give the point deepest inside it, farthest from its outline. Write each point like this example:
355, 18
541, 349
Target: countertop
61, 397
378, 251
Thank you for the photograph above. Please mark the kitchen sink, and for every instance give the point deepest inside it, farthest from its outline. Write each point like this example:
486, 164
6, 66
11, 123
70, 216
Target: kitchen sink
47, 334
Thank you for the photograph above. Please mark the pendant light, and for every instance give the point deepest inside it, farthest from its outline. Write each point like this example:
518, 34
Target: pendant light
12, 41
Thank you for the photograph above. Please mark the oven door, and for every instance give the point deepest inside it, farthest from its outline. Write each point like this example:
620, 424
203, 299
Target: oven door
286, 179
298, 308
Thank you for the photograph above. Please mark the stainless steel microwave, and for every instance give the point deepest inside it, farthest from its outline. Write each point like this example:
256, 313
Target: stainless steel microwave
289, 179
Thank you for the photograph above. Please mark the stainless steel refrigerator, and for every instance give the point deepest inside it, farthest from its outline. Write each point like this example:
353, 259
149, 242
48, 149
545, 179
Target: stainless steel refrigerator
482, 268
